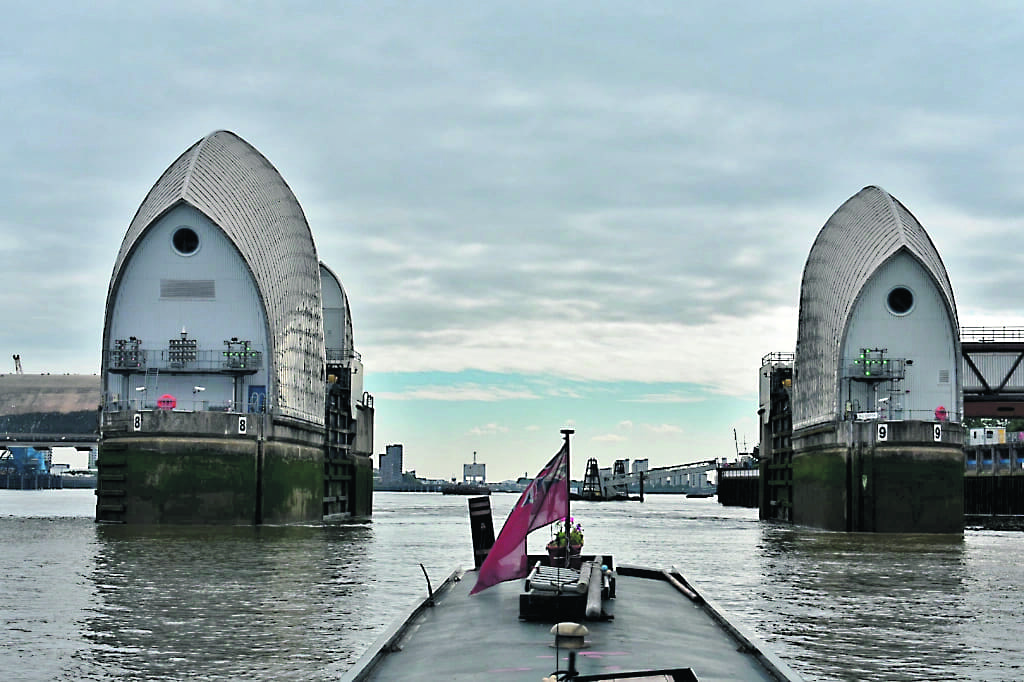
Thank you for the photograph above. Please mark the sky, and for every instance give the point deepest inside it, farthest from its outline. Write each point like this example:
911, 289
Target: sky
587, 215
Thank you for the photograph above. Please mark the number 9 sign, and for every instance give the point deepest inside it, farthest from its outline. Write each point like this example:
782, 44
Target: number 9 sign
882, 433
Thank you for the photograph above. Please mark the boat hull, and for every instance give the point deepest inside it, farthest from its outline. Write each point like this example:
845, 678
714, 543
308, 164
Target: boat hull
660, 622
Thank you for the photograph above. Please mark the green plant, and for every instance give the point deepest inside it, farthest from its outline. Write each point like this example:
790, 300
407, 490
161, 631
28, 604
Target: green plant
575, 533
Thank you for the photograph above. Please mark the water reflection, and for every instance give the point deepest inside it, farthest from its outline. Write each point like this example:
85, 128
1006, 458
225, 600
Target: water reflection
91, 602
224, 602
839, 602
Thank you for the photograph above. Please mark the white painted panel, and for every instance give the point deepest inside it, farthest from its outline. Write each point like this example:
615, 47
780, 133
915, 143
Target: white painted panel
235, 311
924, 337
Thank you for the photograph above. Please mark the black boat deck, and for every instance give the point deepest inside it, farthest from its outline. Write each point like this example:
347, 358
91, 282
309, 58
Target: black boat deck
660, 622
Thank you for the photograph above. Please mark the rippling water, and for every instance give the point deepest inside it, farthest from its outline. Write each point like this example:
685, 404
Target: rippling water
81, 601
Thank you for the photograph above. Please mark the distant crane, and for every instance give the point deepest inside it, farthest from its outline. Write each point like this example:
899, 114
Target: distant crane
17, 364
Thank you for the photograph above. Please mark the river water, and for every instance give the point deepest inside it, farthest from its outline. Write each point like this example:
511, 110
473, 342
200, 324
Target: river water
81, 601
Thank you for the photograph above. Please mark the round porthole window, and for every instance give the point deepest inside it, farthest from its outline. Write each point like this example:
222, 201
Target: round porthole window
185, 241
900, 301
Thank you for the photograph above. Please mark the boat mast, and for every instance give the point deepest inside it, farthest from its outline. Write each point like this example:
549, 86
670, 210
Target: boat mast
568, 489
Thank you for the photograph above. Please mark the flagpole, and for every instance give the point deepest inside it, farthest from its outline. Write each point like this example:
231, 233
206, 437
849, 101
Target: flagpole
568, 491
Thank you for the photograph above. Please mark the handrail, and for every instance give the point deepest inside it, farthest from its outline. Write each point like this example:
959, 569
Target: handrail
778, 356
983, 334
138, 360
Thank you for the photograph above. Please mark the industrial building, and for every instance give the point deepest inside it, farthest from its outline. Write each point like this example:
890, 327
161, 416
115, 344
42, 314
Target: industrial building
231, 387
391, 464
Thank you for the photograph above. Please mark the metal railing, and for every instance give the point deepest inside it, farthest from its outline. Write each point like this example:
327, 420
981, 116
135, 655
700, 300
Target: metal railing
264, 405
777, 357
896, 414
991, 334
165, 360
341, 357
111, 404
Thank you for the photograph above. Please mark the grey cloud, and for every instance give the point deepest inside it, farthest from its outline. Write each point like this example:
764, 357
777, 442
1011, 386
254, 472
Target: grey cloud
651, 163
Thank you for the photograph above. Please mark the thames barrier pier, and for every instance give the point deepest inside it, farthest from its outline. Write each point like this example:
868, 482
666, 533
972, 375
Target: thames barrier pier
232, 392
861, 426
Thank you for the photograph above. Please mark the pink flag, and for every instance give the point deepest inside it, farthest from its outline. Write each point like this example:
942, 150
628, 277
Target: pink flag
544, 501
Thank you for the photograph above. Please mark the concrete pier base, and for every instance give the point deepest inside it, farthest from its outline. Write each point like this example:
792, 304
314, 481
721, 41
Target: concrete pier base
845, 479
208, 480
190, 468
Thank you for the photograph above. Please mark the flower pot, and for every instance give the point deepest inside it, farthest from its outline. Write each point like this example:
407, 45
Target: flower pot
556, 555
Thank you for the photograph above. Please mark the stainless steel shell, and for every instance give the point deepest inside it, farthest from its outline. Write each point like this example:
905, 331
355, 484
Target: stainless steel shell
238, 189
866, 231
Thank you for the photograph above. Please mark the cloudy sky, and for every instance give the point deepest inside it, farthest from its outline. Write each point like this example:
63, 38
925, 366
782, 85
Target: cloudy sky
582, 214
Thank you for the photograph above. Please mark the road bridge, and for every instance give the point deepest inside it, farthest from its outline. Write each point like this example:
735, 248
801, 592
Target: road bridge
79, 441
49, 410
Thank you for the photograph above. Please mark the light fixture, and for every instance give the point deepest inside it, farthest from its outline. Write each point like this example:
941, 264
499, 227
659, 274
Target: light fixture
198, 389
140, 388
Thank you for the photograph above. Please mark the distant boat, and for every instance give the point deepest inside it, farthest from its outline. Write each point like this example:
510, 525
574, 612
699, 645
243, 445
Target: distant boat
464, 489
474, 477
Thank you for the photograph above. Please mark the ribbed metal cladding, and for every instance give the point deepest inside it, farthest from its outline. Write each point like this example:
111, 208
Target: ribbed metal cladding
231, 183
867, 230
348, 341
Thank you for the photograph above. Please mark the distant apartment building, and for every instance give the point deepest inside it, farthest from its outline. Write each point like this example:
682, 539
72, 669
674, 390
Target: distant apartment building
640, 465
391, 464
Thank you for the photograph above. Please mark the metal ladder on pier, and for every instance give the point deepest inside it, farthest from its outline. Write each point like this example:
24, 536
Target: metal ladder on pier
152, 377
110, 489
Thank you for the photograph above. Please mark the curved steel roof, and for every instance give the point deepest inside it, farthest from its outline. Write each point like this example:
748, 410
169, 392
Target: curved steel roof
866, 231
232, 184
348, 342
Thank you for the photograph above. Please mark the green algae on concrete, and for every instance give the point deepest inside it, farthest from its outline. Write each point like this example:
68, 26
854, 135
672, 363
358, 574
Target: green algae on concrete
169, 479
210, 480
904, 486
